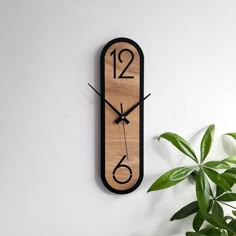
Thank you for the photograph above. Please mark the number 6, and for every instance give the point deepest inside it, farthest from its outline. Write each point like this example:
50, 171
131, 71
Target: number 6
119, 165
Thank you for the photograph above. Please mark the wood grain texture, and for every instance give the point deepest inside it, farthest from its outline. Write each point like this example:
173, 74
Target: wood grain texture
127, 92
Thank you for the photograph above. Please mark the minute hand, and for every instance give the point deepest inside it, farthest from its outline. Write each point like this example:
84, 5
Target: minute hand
121, 116
118, 120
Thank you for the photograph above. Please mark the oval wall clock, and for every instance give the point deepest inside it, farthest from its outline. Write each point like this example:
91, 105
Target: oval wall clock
122, 96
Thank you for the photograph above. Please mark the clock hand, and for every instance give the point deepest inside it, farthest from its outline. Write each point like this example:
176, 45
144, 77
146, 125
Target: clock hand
121, 116
118, 120
126, 147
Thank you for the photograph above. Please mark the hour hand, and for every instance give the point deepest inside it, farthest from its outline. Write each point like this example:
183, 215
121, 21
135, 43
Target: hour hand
121, 116
118, 120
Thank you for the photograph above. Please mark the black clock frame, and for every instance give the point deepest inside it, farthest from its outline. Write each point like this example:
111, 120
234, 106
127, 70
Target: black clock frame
141, 114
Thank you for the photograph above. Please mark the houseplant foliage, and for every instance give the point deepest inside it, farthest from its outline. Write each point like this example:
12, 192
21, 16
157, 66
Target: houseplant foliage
213, 184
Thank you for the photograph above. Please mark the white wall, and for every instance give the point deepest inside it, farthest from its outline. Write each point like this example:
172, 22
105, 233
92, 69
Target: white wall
49, 118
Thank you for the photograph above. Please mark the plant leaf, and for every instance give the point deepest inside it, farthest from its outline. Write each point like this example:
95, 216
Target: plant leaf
187, 210
232, 225
233, 135
206, 142
227, 197
202, 191
223, 233
219, 191
217, 209
180, 143
170, 178
198, 221
230, 178
195, 234
210, 231
218, 222
231, 159
232, 170
217, 165
218, 179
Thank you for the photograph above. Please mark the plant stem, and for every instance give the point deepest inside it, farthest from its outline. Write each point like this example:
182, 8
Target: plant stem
228, 205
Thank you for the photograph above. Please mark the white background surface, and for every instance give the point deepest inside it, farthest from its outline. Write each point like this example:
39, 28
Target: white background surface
49, 118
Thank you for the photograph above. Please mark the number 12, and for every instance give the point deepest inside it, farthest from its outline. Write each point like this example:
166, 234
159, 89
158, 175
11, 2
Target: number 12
122, 76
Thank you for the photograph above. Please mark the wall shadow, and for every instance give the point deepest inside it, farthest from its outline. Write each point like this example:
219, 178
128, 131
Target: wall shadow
97, 124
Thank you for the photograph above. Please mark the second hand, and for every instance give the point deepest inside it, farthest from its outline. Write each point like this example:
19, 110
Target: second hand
126, 148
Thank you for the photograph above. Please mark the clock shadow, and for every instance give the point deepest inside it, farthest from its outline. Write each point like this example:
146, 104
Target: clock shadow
97, 125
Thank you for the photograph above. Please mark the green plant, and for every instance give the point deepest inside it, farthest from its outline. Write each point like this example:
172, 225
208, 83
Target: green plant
213, 183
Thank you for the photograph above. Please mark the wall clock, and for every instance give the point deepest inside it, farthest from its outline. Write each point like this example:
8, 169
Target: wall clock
122, 96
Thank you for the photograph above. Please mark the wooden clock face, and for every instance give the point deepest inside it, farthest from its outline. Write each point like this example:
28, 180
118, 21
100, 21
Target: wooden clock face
122, 115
